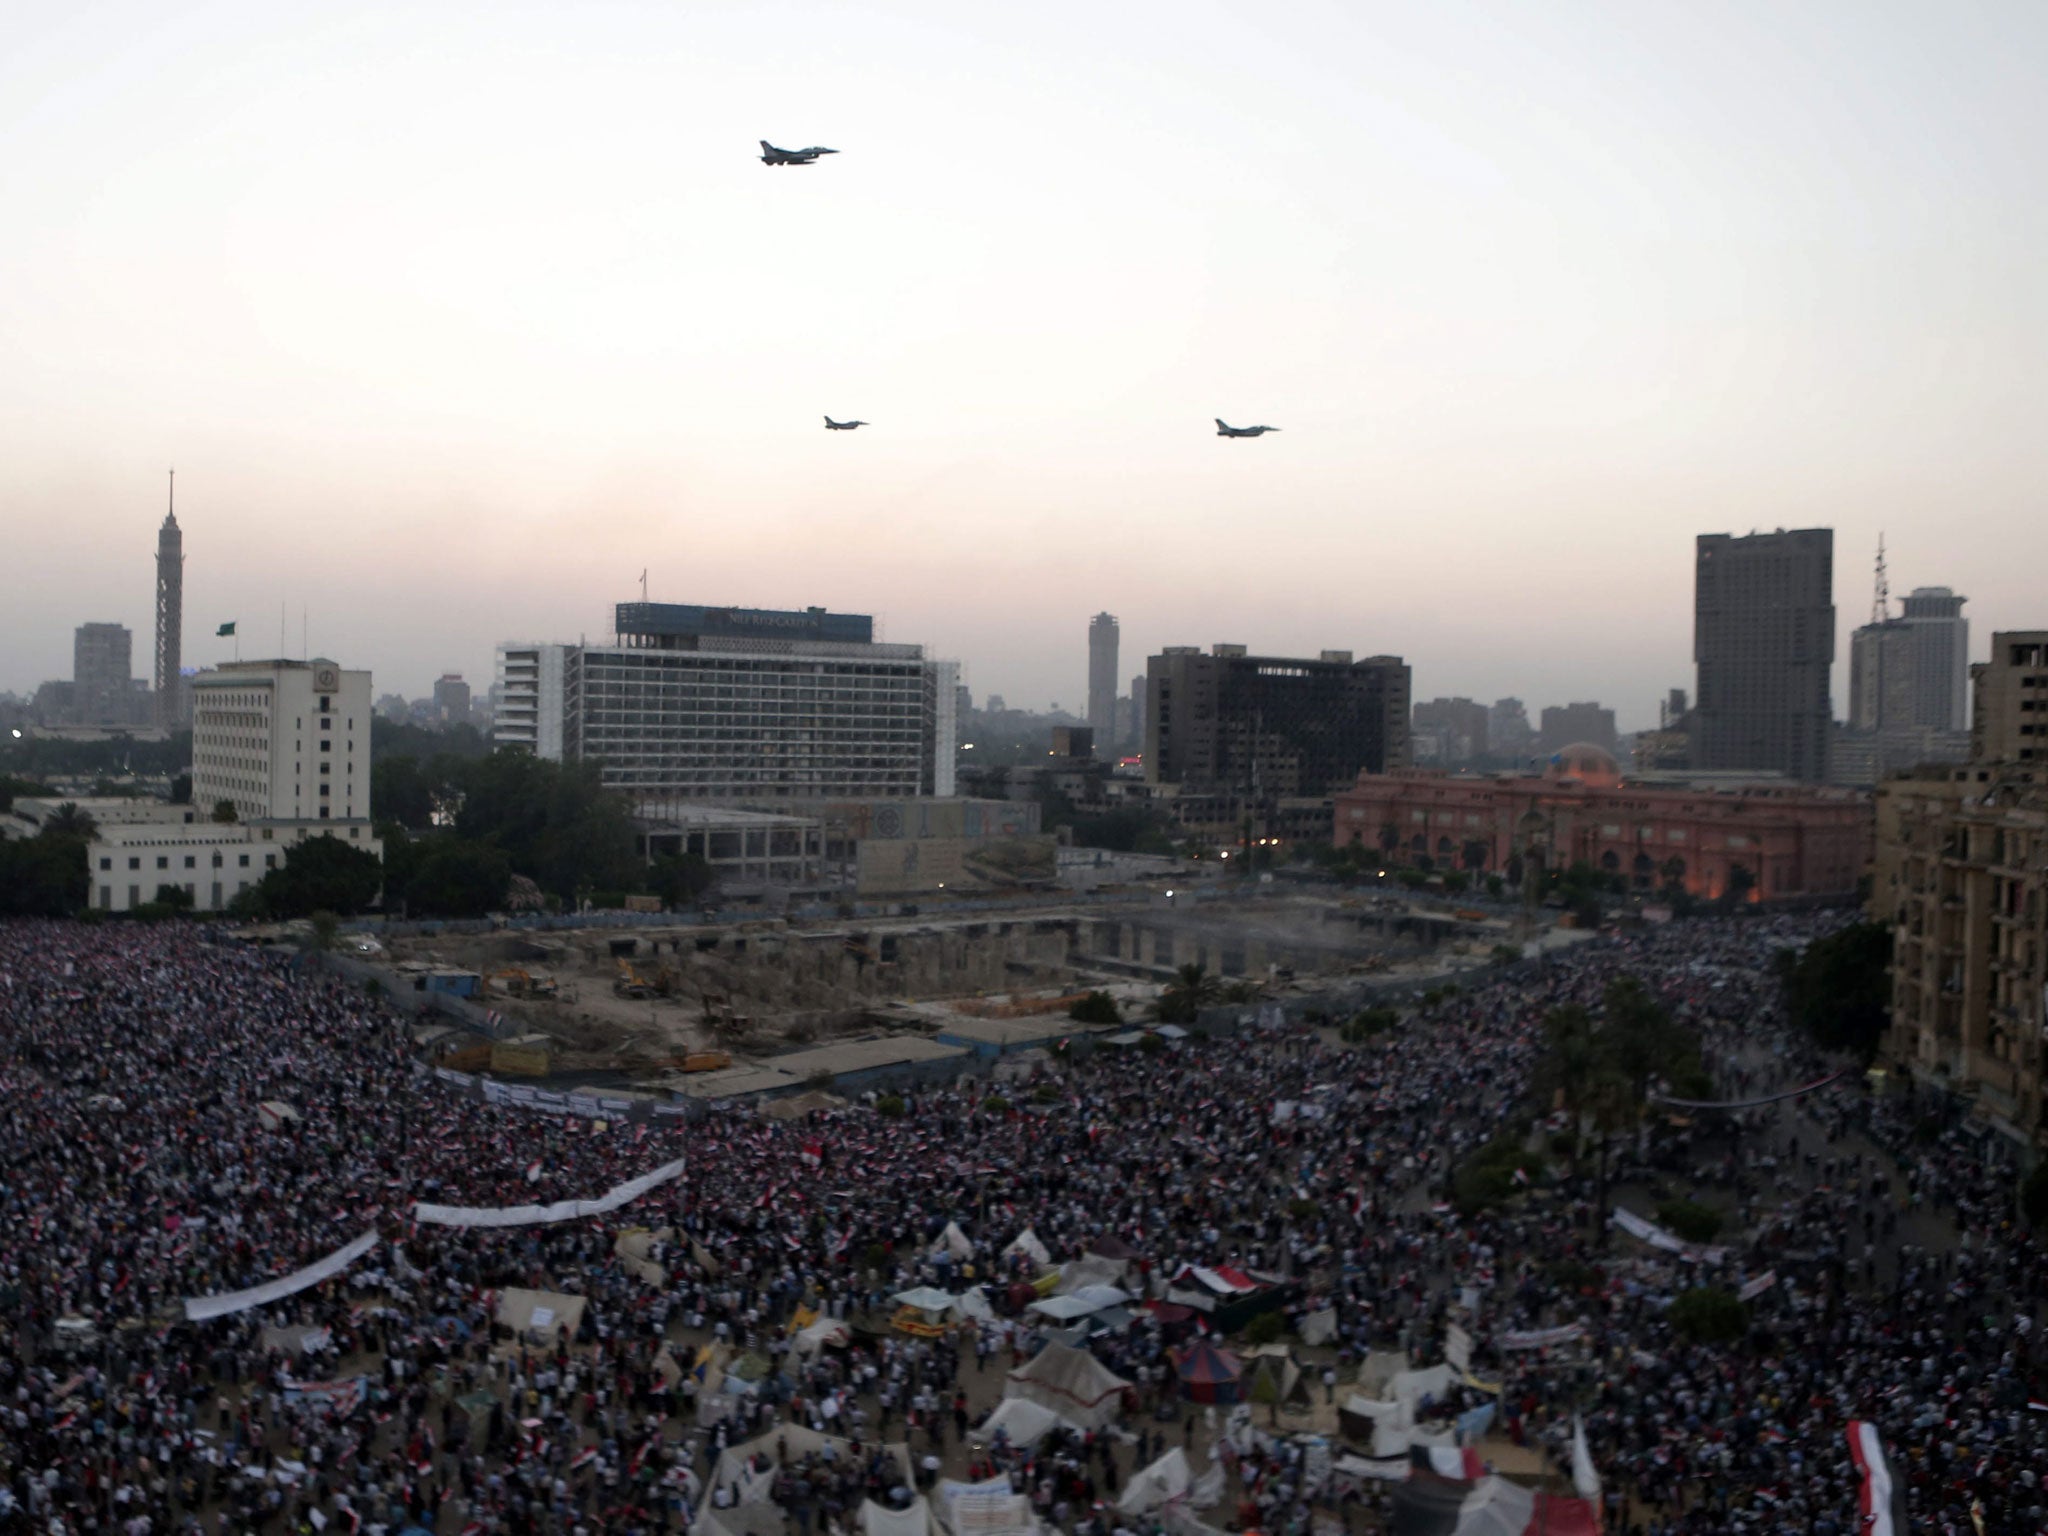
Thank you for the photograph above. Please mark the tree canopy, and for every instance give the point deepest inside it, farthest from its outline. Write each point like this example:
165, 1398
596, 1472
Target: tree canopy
1838, 989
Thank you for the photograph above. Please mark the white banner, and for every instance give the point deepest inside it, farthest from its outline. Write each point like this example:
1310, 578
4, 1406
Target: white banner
199, 1308
1540, 1338
1755, 1288
1458, 1349
1649, 1232
536, 1215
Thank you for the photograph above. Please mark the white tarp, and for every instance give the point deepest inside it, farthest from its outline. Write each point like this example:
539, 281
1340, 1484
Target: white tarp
536, 1215
1392, 1437
1023, 1423
826, 1330
1318, 1327
878, 1521
926, 1298
955, 1242
294, 1340
1027, 1243
1410, 1387
973, 1305
1088, 1300
1090, 1270
199, 1308
989, 1508
1165, 1481
1669, 1242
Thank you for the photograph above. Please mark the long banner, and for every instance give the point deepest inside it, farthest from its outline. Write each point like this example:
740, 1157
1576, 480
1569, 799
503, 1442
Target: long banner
1879, 1498
536, 1215
1640, 1227
200, 1308
1539, 1338
1769, 1098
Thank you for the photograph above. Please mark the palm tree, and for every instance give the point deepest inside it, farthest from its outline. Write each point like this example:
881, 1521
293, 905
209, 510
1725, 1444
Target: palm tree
1191, 990
69, 821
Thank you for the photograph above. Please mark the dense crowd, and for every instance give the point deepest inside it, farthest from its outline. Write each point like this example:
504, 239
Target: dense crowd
137, 1168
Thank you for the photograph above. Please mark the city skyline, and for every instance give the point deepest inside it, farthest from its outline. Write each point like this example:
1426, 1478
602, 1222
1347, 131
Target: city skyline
1537, 300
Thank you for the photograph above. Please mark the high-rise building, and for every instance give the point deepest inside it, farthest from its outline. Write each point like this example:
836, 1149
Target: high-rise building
747, 704
1567, 725
1455, 729
529, 689
1764, 643
2009, 715
1136, 739
1262, 727
1912, 671
168, 681
282, 741
451, 699
102, 667
1508, 732
1102, 675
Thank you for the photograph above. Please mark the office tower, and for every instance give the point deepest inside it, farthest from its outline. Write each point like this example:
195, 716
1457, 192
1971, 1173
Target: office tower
2009, 712
1102, 640
451, 699
1764, 642
170, 621
529, 689
1508, 732
282, 741
1136, 739
1268, 726
102, 667
1941, 650
1454, 728
748, 704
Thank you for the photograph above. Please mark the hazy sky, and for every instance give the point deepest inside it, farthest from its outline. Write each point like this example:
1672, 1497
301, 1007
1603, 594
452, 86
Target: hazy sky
452, 318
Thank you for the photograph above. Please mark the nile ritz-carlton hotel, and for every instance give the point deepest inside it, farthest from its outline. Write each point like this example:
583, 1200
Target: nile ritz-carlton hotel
1794, 839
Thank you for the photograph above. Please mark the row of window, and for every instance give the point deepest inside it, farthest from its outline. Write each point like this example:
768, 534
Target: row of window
163, 861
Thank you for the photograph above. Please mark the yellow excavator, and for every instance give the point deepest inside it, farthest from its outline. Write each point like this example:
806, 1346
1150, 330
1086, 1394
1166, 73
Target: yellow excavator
520, 983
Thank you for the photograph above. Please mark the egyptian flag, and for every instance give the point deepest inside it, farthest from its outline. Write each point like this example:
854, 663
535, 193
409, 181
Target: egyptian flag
1426, 1505
1461, 1464
813, 1153
583, 1458
532, 1171
1882, 1501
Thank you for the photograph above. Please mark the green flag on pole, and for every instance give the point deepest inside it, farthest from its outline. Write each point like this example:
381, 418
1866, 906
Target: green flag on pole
226, 629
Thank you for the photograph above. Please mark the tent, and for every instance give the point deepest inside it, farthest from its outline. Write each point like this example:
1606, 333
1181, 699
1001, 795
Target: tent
1492, 1506
971, 1306
824, 1332
1092, 1270
1379, 1367
955, 1242
1271, 1376
543, 1312
1165, 1481
1208, 1374
1072, 1383
633, 1247
1020, 1421
1027, 1243
1358, 1417
1088, 1299
790, 1442
1409, 1388
988, 1508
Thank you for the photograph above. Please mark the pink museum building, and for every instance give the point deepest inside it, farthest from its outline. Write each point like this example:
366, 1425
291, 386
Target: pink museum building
1794, 839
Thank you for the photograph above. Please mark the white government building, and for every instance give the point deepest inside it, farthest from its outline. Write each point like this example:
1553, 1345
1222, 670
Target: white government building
285, 743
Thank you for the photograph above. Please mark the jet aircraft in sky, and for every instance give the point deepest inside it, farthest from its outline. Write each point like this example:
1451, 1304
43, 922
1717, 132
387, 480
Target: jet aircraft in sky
1223, 429
770, 155
842, 426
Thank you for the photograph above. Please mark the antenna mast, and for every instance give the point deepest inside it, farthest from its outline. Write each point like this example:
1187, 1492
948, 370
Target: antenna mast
1881, 605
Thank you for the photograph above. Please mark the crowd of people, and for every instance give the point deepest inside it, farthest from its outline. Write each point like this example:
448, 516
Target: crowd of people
188, 1117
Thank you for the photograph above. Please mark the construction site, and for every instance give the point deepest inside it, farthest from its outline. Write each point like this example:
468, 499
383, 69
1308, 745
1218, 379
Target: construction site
781, 1004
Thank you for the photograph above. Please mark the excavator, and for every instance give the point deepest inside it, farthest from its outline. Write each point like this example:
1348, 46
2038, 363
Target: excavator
518, 983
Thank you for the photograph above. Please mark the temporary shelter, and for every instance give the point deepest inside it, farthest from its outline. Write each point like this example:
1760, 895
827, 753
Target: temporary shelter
971, 1305
1165, 1481
1271, 1376
824, 1332
1020, 1421
1092, 1270
880, 1520
922, 1311
955, 1242
1492, 1506
1208, 1374
1027, 1243
1074, 1304
1072, 1383
543, 1312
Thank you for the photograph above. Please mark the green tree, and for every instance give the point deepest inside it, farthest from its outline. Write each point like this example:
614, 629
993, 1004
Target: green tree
555, 821
322, 874
1709, 1315
43, 876
1839, 988
1191, 990
174, 898
400, 790
25, 788
1740, 883
224, 812
1096, 1008
451, 876
680, 880
70, 820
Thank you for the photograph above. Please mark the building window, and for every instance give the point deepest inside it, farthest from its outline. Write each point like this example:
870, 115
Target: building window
242, 860
105, 864
135, 863
270, 861
163, 861
189, 862
323, 813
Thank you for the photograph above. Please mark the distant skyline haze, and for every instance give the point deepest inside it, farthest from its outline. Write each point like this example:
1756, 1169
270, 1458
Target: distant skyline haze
454, 318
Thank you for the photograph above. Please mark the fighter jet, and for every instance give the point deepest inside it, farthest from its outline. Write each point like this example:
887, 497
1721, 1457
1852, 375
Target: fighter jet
770, 155
1224, 429
842, 426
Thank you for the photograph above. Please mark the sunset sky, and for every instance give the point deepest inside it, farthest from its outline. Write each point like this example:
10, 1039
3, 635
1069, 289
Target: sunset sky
453, 318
